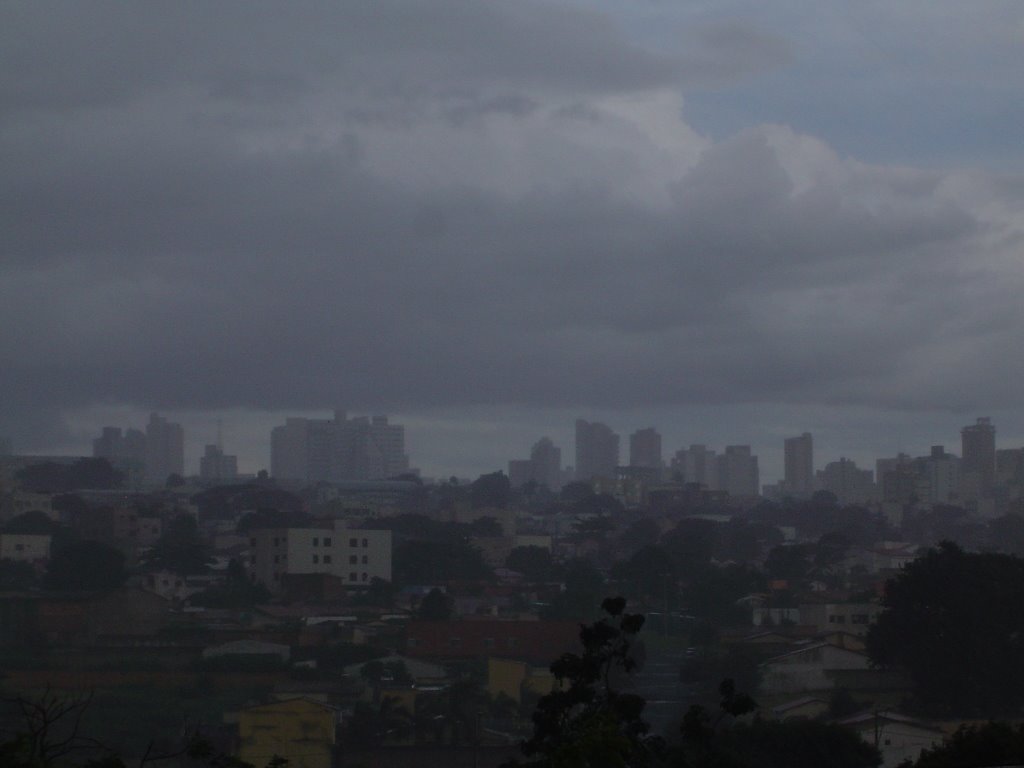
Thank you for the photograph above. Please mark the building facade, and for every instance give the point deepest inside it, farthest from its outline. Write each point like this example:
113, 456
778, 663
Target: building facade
645, 449
338, 450
597, 450
355, 556
799, 465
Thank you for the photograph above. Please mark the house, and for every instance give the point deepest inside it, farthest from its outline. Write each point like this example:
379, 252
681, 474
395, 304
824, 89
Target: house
805, 707
512, 678
848, 617
540, 642
302, 731
898, 737
812, 668
33, 548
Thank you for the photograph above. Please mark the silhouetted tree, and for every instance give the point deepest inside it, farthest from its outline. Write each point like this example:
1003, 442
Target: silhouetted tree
589, 720
955, 621
491, 490
976, 745
180, 548
435, 606
85, 565
50, 477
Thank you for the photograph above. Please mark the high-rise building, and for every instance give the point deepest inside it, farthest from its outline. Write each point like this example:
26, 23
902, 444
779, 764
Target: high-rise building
645, 449
978, 462
799, 459
165, 449
543, 467
696, 464
214, 464
338, 450
738, 473
546, 458
849, 484
597, 450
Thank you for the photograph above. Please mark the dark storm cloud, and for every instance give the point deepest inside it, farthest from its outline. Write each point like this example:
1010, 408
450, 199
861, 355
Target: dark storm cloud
455, 203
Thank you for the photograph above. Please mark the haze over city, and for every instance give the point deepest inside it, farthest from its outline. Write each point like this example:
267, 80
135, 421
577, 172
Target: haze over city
732, 222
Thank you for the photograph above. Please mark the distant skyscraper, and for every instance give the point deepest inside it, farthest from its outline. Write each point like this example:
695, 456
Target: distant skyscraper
546, 458
165, 449
738, 472
978, 462
597, 450
214, 464
338, 450
849, 484
645, 449
799, 458
697, 464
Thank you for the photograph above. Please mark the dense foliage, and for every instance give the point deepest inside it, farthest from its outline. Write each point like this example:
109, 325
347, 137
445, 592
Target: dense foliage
955, 621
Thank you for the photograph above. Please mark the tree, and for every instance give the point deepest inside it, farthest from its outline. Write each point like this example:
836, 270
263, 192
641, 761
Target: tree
588, 720
794, 744
490, 491
47, 732
180, 548
236, 591
86, 565
535, 563
33, 521
50, 477
435, 606
977, 745
955, 622
433, 562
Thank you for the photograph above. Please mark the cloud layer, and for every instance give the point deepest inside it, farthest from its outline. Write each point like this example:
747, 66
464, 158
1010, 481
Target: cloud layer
415, 206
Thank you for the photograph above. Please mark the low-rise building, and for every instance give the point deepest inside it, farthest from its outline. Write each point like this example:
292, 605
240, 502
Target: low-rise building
25, 547
356, 556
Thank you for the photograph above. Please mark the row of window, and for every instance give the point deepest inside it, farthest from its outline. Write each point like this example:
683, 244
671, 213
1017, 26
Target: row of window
278, 541
353, 576
856, 618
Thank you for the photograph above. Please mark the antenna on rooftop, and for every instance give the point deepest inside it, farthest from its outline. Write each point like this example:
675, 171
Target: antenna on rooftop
220, 435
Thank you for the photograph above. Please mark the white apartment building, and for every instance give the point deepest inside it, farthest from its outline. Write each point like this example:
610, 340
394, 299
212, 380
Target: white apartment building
354, 555
25, 547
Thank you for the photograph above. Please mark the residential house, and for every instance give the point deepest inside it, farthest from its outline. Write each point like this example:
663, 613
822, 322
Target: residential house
303, 732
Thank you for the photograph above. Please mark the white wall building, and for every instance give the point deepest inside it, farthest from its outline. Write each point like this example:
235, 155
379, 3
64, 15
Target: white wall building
354, 555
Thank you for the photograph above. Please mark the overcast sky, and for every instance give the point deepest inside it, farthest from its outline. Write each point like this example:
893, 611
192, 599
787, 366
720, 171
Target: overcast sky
734, 221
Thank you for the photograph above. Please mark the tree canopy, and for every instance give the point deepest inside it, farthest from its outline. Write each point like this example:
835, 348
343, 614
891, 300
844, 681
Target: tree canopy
86, 565
955, 622
180, 548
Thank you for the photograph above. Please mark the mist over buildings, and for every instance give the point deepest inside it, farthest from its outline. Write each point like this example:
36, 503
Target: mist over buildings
475, 217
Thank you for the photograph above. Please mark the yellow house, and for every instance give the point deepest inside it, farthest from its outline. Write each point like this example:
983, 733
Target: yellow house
300, 730
512, 677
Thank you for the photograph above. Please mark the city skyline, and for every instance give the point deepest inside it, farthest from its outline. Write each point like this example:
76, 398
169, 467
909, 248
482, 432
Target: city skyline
768, 450
733, 222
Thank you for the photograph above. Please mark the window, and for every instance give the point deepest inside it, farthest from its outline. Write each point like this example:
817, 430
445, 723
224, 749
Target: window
353, 576
366, 543
365, 576
352, 559
316, 559
316, 541
277, 541
327, 541
277, 558
353, 542
327, 559
365, 559
859, 618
